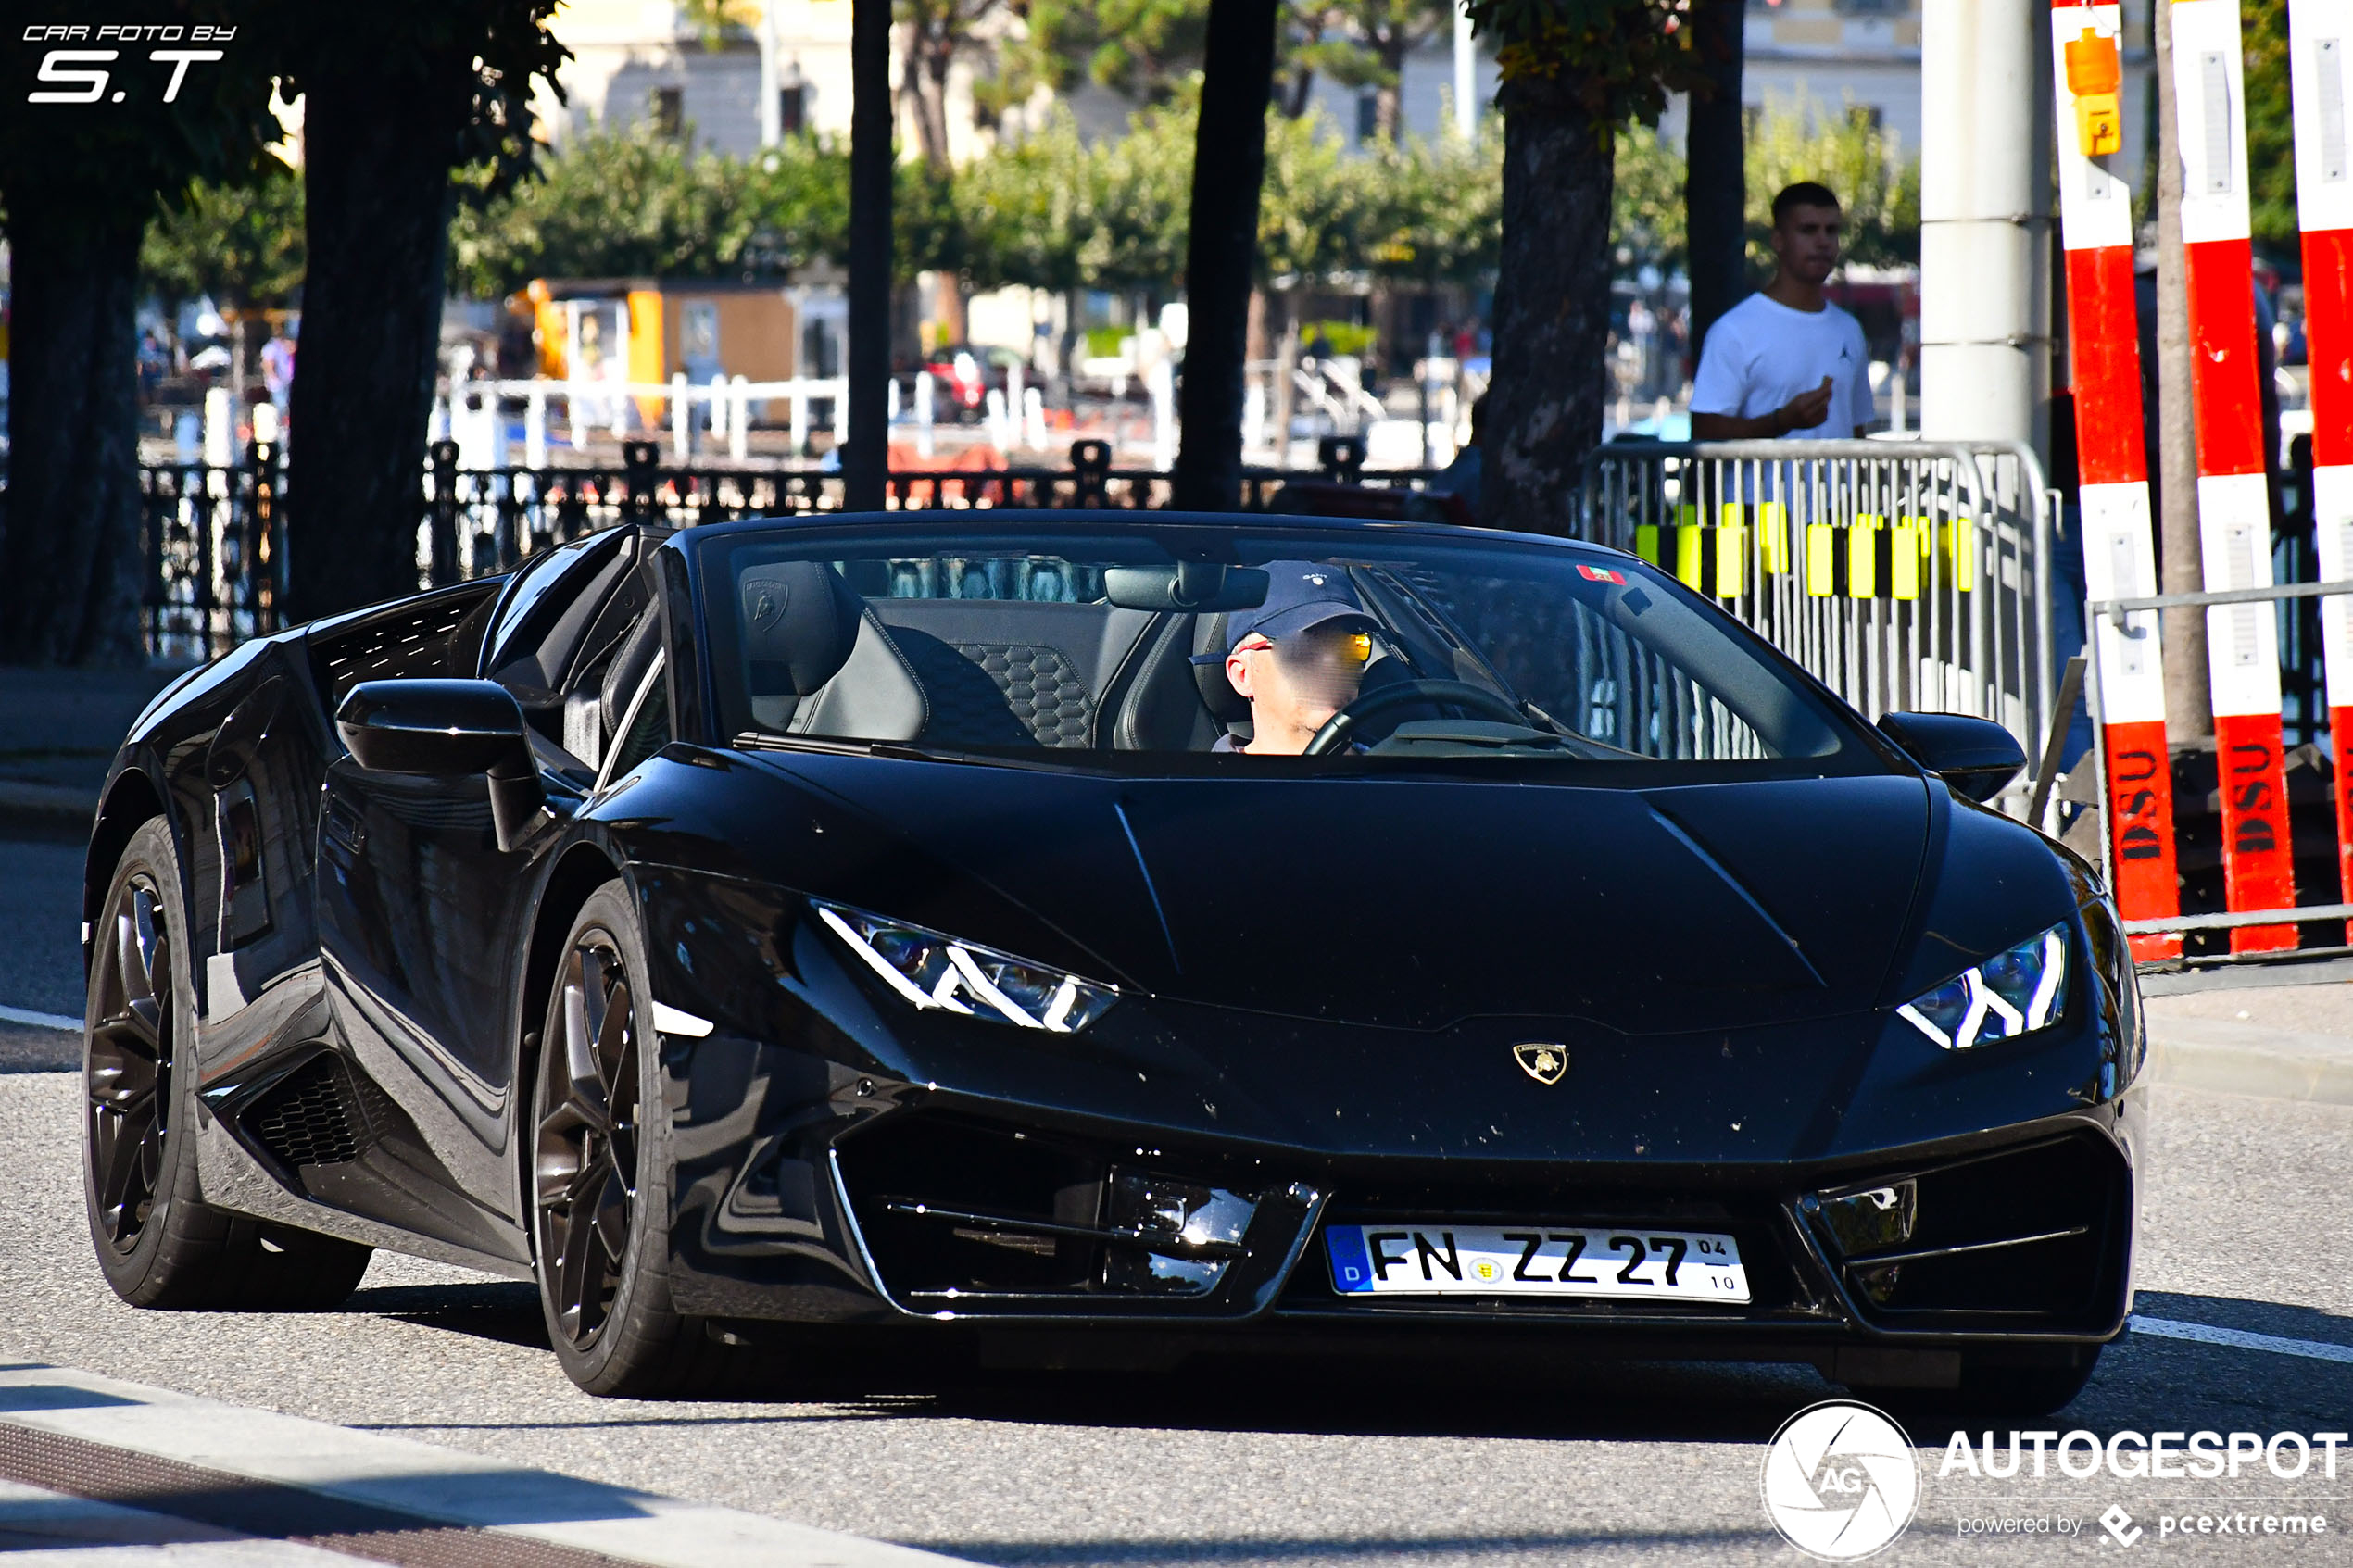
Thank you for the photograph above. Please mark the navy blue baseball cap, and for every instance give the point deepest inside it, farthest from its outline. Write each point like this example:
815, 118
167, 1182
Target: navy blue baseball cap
1299, 594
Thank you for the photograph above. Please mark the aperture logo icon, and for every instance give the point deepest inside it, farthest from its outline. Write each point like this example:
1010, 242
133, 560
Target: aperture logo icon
1841, 1481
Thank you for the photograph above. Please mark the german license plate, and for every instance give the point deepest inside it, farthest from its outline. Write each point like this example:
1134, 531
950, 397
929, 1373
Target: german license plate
1626, 1263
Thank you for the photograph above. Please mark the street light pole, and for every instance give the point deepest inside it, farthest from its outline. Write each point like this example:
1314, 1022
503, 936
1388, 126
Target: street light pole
865, 457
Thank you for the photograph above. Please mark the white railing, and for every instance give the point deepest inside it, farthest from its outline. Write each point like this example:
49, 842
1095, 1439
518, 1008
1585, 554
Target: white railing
724, 408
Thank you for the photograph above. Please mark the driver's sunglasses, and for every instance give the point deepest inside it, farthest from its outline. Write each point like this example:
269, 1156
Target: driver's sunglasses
1348, 649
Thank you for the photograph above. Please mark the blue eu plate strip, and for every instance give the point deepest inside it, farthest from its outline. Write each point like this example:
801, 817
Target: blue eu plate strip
1351, 1270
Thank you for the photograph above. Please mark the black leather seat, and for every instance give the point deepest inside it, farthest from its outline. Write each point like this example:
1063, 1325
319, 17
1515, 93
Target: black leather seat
818, 662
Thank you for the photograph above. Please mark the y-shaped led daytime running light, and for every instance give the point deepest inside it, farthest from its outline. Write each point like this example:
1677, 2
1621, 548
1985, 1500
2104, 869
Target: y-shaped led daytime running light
2015, 992
933, 971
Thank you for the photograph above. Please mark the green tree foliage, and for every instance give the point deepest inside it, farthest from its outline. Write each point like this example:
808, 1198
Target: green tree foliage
1878, 184
240, 243
1865, 164
1026, 208
1647, 202
1148, 50
1615, 60
2271, 125
635, 203
1048, 210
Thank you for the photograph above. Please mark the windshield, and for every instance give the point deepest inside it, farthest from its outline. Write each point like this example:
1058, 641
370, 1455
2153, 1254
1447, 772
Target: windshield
1240, 647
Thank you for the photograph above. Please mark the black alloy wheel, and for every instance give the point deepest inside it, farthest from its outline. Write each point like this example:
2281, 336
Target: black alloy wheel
599, 1182
158, 1242
127, 1073
586, 1165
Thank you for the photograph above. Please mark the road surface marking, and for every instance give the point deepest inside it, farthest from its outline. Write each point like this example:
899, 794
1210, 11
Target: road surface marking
358, 1485
39, 1020
2238, 1338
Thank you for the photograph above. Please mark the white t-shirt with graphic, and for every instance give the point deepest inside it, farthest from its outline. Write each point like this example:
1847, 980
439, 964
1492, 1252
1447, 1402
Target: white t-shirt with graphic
1760, 353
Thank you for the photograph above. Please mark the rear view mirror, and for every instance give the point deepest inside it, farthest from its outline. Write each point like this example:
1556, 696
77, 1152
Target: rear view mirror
448, 729
1196, 586
1977, 756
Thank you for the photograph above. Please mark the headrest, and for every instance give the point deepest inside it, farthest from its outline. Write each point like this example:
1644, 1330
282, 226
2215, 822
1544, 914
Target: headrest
1217, 693
800, 621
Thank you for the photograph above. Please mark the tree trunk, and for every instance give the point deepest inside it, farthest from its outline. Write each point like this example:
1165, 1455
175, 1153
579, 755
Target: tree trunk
865, 460
1221, 250
1301, 93
925, 77
379, 201
1551, 306
70, 564
948, 307
2189, 699
1389, 98
1715, 190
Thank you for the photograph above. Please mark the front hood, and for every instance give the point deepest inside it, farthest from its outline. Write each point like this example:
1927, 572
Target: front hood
1410, 903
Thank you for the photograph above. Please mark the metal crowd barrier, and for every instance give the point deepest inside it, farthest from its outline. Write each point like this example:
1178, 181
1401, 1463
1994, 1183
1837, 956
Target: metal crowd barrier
1904, 575
2324, 948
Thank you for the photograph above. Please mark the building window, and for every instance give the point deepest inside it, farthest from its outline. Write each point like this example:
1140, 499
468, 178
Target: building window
1367, 115
1865, 116
792, 108
666, 107
1874, 8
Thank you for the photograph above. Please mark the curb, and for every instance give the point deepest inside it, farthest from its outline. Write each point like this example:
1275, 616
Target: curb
2245, 1059
371, 1496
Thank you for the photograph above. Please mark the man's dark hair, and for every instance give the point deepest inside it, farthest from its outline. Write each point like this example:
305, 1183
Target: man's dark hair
1806, 192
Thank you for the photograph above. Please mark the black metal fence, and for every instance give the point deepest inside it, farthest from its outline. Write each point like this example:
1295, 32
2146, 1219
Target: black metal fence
217, 553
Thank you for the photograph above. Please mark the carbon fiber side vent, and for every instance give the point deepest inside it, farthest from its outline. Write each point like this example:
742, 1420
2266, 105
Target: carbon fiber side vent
315, 1115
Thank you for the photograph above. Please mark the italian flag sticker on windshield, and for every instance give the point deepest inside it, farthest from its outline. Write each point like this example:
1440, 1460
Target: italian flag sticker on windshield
1601, 574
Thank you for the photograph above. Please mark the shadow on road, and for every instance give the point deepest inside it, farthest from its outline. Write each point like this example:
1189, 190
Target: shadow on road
2143, 1383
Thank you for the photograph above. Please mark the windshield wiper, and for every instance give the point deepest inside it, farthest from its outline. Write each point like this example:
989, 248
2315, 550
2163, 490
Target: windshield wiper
763, 740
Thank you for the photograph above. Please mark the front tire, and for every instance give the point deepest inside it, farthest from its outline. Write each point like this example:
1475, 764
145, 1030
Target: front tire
601, 1173
158, 1243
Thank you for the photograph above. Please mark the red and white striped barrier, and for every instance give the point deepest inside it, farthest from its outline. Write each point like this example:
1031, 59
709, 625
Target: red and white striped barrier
2120, 556
2234, 522
2320, 37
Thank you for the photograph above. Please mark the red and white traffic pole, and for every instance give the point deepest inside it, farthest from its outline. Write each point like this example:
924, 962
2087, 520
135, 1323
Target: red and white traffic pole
2120, 556
2234, 504
2320, 37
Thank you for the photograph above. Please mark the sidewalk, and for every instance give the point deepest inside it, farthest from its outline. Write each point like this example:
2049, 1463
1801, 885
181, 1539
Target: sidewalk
2279, 1042
58, 732
88, 1461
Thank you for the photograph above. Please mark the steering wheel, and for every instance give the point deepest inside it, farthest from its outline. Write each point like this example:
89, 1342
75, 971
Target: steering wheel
1335, 730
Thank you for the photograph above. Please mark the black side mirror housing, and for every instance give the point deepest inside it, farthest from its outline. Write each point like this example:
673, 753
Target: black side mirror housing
1976, 756
449, 728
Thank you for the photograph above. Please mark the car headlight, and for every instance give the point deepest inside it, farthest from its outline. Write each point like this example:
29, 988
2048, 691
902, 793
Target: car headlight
2015, 992
931, 970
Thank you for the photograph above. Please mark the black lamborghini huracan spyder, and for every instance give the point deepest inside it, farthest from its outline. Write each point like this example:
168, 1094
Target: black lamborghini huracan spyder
897, 920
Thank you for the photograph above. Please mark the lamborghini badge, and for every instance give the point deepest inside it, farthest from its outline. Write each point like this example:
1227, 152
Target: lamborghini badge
1542, 1060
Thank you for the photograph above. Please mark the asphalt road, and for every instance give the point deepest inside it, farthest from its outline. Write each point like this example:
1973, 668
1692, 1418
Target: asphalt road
2245, 1228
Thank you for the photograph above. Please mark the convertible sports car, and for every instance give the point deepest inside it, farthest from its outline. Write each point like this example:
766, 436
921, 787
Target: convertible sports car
889, 921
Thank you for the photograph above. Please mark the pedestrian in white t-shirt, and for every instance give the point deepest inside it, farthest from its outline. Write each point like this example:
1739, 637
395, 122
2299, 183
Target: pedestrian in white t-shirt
1787, 361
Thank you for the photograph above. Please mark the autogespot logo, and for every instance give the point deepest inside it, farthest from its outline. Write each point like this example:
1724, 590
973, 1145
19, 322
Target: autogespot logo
1841, 1481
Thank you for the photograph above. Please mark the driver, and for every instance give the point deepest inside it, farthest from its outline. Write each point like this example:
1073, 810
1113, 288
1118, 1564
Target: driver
1299, 657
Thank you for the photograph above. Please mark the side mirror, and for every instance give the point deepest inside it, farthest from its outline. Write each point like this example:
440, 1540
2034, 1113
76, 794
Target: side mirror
448, 729
1977, 756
